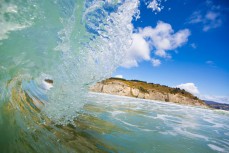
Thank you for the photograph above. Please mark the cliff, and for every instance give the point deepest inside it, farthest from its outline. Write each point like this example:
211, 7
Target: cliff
144, 90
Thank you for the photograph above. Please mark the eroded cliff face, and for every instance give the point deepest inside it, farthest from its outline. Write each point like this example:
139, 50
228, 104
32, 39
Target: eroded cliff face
125, 88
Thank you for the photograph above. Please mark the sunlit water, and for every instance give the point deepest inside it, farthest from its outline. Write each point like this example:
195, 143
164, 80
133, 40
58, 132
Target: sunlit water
76, 43
120, 124
149, 126
73, 42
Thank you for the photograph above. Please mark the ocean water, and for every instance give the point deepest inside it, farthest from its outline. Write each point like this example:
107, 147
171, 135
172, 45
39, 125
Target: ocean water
73, 44
153, 126
109, 123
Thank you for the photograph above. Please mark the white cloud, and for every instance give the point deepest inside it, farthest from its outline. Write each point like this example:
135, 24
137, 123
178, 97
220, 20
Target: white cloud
161, 53
220, 99
196, 17
138, 51
118, 76
209, 62
155, 62
193, 45
190, 87
159, 39
209, 17
162, 38
212, 20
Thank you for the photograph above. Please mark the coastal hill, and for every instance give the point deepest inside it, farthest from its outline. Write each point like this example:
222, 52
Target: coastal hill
144, 90
217, 105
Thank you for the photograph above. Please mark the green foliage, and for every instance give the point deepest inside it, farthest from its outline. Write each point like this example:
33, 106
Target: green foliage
117, 79
195, 98
143, 89
146, 87
138, 81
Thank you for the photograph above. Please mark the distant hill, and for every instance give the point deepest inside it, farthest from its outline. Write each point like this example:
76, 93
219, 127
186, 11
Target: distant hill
217, 105
145, 90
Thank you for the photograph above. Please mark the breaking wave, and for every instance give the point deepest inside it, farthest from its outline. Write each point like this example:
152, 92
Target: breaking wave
57, 49
50, 53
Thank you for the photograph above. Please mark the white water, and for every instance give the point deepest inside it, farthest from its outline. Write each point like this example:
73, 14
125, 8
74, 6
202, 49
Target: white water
74, 43
155, 126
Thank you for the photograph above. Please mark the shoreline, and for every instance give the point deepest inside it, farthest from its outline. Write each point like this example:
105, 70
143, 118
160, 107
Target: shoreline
144, 90
150, 91
160, 102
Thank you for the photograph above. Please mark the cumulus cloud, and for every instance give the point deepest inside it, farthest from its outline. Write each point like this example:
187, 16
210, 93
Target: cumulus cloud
160, 40
138, 51
190, 87
155, 62
118, 76
209, 17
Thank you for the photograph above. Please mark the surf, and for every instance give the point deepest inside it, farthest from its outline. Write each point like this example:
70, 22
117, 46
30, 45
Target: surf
50, 53
61, 41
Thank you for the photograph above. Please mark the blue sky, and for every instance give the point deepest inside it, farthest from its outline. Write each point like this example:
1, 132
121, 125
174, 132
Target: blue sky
185, 44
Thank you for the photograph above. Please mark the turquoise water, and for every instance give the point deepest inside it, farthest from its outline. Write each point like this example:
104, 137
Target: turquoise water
73, 44
151, 126
109, 123
61, 40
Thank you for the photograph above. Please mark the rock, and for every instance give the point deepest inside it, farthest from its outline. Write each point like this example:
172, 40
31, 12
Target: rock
146, 96
97, 87
135, 92
143, 90
141, 95
49, 81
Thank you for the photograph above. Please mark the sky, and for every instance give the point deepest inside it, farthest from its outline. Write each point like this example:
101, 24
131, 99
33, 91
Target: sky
181, 43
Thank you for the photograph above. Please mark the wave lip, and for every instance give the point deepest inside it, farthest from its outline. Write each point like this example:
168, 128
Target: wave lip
75, 45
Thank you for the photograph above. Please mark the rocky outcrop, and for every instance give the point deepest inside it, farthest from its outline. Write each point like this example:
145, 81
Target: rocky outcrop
145, 91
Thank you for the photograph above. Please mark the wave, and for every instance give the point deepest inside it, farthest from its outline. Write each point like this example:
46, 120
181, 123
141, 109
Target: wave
73, 43
50, 53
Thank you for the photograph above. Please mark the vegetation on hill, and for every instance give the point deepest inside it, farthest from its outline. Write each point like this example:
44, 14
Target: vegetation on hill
145, 87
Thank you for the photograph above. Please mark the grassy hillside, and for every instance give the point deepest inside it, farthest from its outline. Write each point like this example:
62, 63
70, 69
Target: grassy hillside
145, 87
